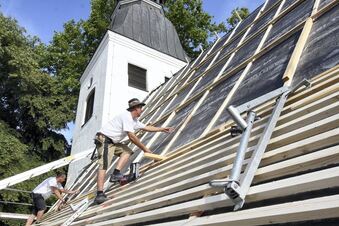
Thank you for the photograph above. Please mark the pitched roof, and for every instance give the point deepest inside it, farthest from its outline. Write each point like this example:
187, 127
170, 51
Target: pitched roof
144, 21
297, 177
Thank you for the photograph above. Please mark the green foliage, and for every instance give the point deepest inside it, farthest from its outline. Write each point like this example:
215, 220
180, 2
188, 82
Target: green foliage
96, 26
15, 157
33, 106
71, 49
234, 19
12, 151
194, 26
32, 102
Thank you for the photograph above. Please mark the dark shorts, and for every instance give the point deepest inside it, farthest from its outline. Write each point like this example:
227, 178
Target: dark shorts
38, 203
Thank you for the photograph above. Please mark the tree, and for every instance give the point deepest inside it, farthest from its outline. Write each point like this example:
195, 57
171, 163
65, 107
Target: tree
15, 157
32, 102
193, 25
33, 107
234, 19
96, 26
71, 49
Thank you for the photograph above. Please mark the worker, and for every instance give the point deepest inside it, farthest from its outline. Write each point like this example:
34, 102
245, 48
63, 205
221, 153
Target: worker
43, 191
108, 143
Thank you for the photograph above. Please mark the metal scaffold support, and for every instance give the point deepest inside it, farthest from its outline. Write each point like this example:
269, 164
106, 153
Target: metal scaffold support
236, 186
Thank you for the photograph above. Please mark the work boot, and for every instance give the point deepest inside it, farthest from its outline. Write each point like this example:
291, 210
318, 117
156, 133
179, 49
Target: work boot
115, 177
101, 198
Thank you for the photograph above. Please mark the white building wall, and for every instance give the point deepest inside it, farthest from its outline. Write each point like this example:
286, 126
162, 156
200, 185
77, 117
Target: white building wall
108, 71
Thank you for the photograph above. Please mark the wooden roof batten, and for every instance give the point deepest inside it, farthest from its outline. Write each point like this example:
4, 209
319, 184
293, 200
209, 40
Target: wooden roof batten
296, 179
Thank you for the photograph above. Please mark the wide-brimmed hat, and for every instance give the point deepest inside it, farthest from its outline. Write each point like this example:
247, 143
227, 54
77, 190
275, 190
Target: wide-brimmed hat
133, 103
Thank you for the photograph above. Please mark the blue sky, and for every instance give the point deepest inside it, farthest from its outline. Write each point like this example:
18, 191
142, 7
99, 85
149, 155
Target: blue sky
43, 17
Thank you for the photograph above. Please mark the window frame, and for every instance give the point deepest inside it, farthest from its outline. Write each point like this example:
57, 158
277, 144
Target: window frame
90, 96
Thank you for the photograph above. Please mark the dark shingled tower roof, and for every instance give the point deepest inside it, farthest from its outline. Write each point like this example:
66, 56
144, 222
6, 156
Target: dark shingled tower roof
144, 21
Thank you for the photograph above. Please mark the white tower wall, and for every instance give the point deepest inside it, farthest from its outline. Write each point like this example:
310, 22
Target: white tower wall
108, 71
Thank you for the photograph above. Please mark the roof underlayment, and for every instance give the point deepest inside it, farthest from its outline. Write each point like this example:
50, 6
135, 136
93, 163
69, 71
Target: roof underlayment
279, 44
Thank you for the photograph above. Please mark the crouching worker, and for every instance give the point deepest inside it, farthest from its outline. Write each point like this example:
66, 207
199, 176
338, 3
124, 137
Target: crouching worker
43, 191
108, 143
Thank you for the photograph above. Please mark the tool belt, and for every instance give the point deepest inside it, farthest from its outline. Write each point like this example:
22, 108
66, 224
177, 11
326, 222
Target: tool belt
104, 138
99, 139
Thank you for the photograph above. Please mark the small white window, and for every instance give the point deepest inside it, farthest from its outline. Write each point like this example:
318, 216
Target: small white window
137, 77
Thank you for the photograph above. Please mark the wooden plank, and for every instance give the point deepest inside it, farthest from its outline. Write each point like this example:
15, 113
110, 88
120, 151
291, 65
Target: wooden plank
313, 116
299, 164
301, 147
306, 210
325, 9
227, 100
315, 7
283, 119
154, 156
279, 189
271, 45
229, 59
289, 149
316, 92
158, 103
294, 60
313, 106
188, 118
80, 184
230, 39
312, 128
326, 156
246, 30
307, 131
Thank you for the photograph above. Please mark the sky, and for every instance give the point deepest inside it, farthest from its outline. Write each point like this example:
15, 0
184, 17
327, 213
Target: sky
44, 17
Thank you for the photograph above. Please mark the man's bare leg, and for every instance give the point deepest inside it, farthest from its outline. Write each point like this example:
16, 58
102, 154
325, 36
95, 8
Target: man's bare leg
30, 220
122, 160
39, 215
101, 180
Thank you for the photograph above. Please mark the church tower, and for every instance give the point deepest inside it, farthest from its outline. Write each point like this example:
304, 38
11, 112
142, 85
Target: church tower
140, 49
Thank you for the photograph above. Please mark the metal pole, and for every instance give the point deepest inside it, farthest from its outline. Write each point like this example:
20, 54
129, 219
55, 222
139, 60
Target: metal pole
237, 117
257, 154
238, 162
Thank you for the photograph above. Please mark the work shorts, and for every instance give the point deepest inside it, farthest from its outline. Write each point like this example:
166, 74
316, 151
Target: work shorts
107, 149
38, 203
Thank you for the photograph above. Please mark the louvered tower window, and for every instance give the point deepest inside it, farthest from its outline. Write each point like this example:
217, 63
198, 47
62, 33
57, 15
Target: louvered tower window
137, 77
